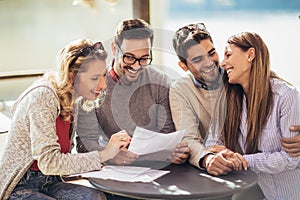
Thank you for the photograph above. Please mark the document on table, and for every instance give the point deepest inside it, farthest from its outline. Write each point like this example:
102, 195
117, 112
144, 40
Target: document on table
150, 145
124, 173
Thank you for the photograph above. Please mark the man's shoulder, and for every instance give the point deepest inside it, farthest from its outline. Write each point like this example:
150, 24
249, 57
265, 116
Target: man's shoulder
154, 75
182, 82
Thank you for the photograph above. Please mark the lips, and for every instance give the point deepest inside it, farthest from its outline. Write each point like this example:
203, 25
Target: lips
209, 69
96, 93
229, 70
131, 70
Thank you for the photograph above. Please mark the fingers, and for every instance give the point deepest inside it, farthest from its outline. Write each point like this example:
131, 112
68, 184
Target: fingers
216, 148
124, 157
181, 154
292, 145
295, 128
292, 149
217, 165
238, 161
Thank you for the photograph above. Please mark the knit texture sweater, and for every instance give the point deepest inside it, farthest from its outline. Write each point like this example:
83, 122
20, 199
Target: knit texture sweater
33, 137
192, 109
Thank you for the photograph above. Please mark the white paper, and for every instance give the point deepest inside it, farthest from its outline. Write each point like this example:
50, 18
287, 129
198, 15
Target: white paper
125, 173
154, 146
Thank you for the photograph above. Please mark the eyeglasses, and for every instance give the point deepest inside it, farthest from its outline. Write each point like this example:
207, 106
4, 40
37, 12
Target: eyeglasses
130, 59
95, 48
186, 30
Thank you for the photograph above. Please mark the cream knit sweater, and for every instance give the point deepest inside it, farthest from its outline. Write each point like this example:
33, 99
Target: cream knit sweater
33, 137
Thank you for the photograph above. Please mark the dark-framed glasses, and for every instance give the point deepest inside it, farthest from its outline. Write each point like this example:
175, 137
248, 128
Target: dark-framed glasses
130, 59
95, 48
186, 30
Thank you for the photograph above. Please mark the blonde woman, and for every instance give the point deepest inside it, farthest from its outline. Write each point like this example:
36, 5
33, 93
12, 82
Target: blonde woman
40, 138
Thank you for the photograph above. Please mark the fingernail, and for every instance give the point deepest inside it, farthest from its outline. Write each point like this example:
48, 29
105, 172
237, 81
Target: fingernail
292, 128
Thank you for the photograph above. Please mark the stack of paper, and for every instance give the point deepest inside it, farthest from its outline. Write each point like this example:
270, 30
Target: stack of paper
125, 173
154, 146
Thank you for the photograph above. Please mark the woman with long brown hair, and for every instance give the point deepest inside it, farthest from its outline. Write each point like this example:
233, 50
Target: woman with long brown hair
260, 109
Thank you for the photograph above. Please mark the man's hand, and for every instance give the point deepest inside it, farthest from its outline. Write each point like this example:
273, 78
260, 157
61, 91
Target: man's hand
292, 145
216, 148
124, 157
217, 164
181, 153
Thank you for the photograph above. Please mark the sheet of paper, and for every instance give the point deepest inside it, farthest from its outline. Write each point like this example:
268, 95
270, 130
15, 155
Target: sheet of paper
154, 146
125, 173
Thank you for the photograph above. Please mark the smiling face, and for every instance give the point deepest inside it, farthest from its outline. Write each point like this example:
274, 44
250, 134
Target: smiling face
203, 62
131, 49
237, 64
90, 82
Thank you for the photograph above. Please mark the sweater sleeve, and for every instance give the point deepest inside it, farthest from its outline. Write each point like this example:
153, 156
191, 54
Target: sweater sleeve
89, 131
185, 118
42, 110
164, 117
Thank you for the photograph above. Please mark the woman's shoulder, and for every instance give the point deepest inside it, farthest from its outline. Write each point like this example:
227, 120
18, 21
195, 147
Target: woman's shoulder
40, 90
283, 88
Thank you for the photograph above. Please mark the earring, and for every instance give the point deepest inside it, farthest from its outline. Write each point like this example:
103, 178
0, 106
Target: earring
249, 59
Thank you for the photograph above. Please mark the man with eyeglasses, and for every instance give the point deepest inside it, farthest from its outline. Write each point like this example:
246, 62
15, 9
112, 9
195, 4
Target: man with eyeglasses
193, 98
137, 95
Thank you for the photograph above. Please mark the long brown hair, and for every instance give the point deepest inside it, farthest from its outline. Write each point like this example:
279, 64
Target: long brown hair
259, 99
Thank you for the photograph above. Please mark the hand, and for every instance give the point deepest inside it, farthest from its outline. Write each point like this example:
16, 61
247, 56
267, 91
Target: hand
216, 148
217, 164
238, 161
124, 157
181, 153
292, 145
117, 142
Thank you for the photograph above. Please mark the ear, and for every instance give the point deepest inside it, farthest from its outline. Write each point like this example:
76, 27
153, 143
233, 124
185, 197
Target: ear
251, 54
114, 49
183, 66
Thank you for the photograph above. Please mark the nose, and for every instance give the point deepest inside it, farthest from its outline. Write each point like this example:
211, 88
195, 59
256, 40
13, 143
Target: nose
101, 83
223, 64
209, 60
136, 65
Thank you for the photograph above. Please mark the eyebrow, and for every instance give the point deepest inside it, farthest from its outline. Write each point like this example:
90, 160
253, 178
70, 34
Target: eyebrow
100, 74
212, 50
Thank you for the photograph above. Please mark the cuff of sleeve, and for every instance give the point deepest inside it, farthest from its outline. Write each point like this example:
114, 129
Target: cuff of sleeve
202, 156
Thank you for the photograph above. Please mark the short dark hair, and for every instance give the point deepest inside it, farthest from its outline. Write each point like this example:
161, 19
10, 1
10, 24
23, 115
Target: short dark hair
133, 29
182, 43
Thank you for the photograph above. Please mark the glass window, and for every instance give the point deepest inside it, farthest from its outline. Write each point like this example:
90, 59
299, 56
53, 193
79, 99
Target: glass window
276, 21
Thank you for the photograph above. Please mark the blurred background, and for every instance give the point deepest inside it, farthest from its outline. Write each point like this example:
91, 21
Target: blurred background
33, 31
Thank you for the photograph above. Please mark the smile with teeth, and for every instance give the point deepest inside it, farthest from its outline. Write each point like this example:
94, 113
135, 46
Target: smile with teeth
229, 70
132, 70
208, 70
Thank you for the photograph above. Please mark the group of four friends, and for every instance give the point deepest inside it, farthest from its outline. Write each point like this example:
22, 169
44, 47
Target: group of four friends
237, 114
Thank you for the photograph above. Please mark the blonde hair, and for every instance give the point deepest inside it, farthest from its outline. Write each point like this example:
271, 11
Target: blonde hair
70, 62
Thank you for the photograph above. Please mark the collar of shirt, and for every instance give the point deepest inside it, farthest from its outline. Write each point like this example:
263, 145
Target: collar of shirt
113, 75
